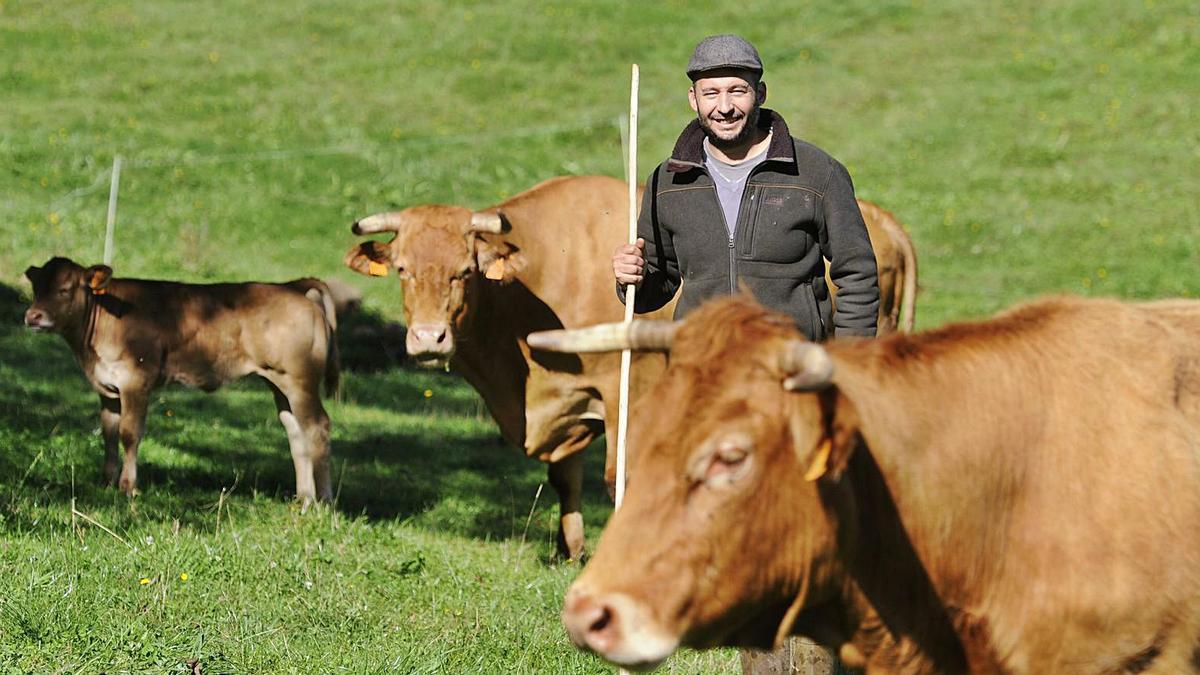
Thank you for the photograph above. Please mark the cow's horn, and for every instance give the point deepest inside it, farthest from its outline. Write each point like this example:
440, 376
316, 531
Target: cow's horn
380, 222
489, 223
607, 337
807, 365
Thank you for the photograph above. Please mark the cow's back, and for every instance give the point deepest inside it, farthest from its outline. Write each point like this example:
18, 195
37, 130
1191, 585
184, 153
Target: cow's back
209, 334
568, 227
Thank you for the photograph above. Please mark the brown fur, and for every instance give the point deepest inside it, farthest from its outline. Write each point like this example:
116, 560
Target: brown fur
896, 263
553, 271
131, 336
1020, 495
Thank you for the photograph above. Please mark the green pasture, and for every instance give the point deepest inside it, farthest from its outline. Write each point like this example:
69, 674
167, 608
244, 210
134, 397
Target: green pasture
1030, 148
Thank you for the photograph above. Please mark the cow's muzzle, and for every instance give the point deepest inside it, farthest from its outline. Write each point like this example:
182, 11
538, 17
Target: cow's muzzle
38, 320
616, 627
430, 344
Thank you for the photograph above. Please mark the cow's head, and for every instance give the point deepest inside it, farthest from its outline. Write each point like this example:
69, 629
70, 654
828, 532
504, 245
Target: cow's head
61, 292
726, 531
442, 255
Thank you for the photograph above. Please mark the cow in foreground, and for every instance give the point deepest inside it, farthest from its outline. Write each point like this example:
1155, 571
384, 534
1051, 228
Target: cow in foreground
1015, 495
131, 336
475, 283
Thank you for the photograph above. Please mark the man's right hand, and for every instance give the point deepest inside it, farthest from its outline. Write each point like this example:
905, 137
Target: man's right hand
629, 261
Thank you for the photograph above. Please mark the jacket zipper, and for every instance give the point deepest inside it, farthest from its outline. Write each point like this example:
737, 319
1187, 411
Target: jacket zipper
732, 268
732, 236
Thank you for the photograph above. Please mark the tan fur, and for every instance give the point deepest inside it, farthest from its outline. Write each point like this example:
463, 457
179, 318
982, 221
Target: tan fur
554, 271
896, 262
1018, 495
131, 336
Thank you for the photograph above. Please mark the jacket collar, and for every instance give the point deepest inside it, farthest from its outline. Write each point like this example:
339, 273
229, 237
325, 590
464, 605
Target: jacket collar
689, 149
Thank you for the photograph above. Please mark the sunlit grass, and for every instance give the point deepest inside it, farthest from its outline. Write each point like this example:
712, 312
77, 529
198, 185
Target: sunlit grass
1029, 147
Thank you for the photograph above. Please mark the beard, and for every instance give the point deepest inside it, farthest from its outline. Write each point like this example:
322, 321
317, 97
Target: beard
742, 137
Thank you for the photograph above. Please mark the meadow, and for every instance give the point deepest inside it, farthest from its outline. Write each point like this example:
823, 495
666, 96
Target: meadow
1030, 148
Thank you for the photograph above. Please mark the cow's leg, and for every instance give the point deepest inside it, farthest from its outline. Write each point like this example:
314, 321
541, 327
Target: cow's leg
131, 426
566, 477
315, 422
307, 426
110, 420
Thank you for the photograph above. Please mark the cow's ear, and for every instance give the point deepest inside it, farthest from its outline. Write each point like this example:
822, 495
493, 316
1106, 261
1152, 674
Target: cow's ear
371, 258
498, 260
837, 437
32, 273
96, 277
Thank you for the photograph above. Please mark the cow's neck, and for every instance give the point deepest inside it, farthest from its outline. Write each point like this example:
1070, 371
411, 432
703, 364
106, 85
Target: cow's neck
491, 358
888, 607
926, 428
80, 332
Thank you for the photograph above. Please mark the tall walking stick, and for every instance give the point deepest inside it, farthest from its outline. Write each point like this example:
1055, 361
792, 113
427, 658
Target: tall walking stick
630, 290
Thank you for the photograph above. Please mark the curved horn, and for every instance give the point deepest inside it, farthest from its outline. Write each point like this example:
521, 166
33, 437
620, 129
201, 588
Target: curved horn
807, 365
489, 223
380, 222
608, 337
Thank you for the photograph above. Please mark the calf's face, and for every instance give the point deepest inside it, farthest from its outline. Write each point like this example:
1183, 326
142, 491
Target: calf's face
441, 258
61, 289
722, 536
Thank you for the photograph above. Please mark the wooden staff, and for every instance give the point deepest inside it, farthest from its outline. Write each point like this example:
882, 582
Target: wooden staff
630, 290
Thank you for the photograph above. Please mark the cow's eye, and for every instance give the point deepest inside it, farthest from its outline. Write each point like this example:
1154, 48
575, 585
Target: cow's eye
723, 464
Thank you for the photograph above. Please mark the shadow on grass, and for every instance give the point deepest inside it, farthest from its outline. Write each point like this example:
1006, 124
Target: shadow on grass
408, 444
369, 343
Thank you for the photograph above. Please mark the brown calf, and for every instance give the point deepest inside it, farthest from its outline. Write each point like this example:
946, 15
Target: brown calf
1017, 495
131, 336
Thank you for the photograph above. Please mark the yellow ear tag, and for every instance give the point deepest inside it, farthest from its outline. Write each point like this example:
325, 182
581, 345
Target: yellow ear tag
376, 269
820, 463
495, 271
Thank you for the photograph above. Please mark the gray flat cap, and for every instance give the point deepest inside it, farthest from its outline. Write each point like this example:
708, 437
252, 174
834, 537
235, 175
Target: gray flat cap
723, 51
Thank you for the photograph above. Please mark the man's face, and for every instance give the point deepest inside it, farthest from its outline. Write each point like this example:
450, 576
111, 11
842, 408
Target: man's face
727, 103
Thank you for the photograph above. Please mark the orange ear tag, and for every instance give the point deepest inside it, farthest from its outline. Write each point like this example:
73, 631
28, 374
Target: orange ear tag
376, 269
820, 463
495, 271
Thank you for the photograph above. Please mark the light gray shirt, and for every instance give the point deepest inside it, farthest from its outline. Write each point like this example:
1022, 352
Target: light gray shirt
730, 180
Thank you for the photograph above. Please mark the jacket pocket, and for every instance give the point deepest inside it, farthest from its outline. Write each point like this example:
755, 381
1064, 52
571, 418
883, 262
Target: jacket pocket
745, 231
818, 318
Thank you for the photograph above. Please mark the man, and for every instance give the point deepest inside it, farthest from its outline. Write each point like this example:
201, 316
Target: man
740, 201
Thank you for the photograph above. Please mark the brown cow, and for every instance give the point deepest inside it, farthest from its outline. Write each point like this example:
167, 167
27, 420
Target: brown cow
896, 262
475, 283
1017, 495
131, 336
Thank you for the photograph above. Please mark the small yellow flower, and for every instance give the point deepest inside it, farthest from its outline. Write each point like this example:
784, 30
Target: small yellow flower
145, 581
428, 393
183, 576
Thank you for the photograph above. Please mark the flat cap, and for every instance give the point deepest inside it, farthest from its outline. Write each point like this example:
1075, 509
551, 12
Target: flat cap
723, 51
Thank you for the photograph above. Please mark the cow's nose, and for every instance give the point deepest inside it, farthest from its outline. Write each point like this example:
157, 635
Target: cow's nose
591, 622
617, 627
36, 318
429, 338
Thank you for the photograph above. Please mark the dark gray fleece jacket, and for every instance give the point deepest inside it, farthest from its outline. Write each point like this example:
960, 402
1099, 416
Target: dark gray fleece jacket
797, 210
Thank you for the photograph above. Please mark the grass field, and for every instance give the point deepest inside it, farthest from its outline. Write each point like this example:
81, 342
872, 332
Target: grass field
1030, 147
